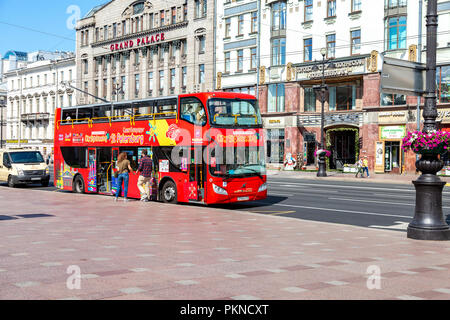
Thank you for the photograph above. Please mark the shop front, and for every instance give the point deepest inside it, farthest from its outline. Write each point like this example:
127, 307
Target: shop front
275, 140
389, 157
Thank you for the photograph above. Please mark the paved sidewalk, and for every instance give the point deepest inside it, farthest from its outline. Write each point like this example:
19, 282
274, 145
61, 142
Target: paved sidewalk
339, 176
155, 251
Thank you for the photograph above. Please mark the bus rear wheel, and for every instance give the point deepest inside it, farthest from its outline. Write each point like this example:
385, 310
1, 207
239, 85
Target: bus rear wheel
169, 192
78, 185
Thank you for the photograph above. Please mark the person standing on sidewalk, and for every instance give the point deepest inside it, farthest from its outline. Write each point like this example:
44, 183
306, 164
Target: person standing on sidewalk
366, 166
124, 168
359, 166
145, 177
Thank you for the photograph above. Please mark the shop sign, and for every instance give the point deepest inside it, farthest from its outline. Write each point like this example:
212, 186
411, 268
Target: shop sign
341, 69
275, 122
393, 132
16, 141
392, 116
138, 42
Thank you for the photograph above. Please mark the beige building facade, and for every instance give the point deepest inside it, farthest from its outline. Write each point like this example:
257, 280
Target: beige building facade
129, 50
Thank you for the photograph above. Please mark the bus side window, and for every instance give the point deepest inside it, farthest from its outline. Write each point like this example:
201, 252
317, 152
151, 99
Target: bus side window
68, 115
192, 110
84, 114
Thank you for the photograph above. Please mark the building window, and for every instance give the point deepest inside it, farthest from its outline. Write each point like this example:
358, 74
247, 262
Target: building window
201, 73
393, 99
275, 145
183, 47
331, 46
161, 82
86, 89
183, 77
105, 33
136, 58
124, 27
122, 61
307, 49
161, 54
396, 33
198, 9
172, 79
161, 18
240, 60
201, 44
331, 8
342, 98
395, 3
105, 88
45, 79
254, 24
356, 41
310, 100
150, 83
85, 66
443, 84
275, 98
69, 99
227, 27
185, 12
227, 62
150, 21
356, 5
278, 52
308, 10
240, 25
96, 89
123, 86
114, 30
136, 86
174, 15
253, 60
279, 16
138, 8
205, 7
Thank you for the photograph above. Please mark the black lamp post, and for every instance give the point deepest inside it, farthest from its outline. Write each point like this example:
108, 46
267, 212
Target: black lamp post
429, 222
2, 105
323, 89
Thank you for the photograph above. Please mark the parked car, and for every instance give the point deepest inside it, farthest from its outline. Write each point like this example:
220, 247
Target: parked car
22, 166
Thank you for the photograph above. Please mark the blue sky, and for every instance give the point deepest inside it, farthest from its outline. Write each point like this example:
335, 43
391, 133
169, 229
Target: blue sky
31, 25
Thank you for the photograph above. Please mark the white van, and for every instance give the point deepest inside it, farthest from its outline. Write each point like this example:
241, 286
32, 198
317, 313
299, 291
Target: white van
21, 166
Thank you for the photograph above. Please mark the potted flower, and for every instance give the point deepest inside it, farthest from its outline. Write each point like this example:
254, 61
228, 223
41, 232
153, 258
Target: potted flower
433, 142
320, 152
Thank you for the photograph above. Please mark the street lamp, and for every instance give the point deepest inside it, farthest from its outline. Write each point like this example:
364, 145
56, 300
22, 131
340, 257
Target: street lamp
323, 89
429, 222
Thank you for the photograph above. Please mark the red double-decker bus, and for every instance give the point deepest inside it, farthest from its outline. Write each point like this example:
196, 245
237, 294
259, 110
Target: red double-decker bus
205, 147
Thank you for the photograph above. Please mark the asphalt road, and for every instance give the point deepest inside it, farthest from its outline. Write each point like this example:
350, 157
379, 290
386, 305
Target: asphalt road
372, 205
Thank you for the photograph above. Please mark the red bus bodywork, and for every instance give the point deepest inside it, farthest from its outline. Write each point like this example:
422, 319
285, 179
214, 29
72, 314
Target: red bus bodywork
194, 182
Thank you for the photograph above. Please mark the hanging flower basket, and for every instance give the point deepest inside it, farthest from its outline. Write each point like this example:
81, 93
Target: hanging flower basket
321, 152
434, 142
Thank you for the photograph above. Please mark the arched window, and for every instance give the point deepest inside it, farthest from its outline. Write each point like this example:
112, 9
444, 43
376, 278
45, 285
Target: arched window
138, 8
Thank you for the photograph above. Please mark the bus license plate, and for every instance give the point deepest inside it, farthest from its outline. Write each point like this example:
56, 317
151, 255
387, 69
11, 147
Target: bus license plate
243, 198
36, 179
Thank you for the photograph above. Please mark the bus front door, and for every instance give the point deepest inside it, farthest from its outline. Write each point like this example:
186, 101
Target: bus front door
92, 178
196, 178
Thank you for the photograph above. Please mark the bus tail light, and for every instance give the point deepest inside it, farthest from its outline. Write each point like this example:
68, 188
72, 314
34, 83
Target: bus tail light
219, 190
263, 187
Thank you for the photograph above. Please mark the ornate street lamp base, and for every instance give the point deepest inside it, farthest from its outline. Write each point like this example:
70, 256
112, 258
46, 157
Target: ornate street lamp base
322, 167
428, 222
428, 234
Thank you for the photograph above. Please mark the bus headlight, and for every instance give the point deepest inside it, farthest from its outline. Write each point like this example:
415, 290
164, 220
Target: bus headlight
20, 172
263, 187
219, 190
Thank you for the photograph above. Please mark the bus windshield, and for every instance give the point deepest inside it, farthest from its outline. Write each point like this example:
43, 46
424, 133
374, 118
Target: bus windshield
237, 162
234, 112
26, 157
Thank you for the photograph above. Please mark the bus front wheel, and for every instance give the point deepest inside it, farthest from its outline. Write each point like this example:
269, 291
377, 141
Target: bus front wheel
78, 185
169, 192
